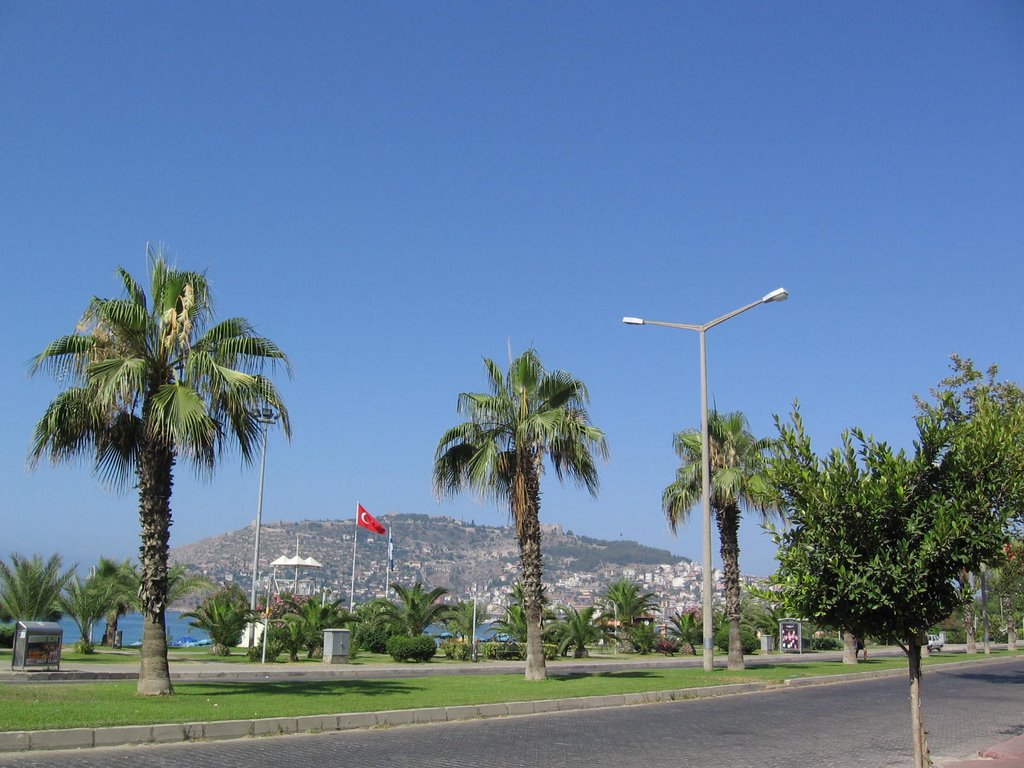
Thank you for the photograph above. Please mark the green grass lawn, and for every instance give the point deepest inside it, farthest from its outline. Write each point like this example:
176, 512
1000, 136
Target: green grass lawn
33, 706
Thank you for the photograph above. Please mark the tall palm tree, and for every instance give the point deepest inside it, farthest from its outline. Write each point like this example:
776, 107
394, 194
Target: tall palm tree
153, 381
529, 415
624, 601
737, 483
417, 609
30, 588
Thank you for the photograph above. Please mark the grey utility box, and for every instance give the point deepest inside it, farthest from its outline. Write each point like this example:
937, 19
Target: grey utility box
336, 645
37, 645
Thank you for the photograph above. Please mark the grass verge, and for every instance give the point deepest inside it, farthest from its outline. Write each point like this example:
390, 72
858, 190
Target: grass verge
35, 706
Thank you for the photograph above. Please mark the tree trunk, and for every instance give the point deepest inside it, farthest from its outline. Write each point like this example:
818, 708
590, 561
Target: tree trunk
921, 756
110, 633
156, 472
1011, 624
529, 535
970, 621
728, 530
849, 648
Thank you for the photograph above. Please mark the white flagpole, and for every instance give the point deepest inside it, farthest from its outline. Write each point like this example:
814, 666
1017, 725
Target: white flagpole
355, 538
387, 564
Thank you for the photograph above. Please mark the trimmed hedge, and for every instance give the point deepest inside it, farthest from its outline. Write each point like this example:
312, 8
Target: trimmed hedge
748, 640
419, 648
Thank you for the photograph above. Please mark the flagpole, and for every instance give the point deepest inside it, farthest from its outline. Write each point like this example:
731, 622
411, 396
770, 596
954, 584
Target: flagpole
387, 564
355, 538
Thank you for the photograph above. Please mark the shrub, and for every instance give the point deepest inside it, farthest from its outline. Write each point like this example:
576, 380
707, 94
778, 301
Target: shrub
6, 635
825, 644
748, 640
503, 651
419, 648
456, 651
275, 647
666, 645
372, 637
642, 637
550, 651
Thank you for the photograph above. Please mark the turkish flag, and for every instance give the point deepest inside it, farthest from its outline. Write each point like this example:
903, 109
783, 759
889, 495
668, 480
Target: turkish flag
368, 521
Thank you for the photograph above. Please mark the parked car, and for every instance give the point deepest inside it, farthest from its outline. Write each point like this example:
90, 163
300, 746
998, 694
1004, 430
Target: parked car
935, 643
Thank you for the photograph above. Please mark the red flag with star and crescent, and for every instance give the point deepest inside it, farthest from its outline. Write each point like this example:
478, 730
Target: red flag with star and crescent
368, 521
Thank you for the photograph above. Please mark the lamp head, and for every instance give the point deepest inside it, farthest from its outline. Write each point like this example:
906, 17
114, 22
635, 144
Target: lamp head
779, 294
633, 320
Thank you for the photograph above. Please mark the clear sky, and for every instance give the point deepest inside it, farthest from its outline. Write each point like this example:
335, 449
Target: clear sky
392, 191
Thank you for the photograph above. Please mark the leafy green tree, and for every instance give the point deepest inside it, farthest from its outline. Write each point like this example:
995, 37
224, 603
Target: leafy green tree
86, 602
152, 382
1008, 587
876, 536
529, 415
624, 601
223, 616
30, 588
687, 629
416, 609
575, 631
737, 484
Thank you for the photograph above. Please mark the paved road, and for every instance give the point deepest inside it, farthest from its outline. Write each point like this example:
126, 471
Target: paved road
865, 724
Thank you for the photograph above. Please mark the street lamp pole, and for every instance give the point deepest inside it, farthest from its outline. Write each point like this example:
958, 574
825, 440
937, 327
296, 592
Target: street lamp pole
265, 417
707, 587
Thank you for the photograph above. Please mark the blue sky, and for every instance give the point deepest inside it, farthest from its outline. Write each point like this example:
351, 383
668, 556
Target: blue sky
392, 191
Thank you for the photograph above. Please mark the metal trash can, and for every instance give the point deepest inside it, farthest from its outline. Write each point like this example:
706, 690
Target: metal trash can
37, 645
336, 646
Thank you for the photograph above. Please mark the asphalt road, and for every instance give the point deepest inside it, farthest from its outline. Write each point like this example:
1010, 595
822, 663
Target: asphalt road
864, 723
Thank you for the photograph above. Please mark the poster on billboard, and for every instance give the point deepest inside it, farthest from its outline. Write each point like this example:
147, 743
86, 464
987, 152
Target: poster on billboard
791, 636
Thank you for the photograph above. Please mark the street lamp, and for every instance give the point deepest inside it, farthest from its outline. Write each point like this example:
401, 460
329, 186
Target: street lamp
707, 605
266, 417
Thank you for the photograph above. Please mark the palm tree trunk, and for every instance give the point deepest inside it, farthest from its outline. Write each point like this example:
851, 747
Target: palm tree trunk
529, 535
110, 633
970, 620
728, 531
156, 471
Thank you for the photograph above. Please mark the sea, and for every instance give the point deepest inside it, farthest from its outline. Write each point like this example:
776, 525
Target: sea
130, 626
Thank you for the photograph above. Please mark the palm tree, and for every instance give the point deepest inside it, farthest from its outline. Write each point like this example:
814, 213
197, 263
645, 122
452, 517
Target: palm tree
687, 629
86, 602
737, 483
314, 616
223, 616
528, 415
151, 382
417, 609
464, 617
576, 631
30, 588
625, 602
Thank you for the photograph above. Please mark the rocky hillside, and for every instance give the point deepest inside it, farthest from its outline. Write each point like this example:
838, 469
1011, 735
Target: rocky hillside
437, 551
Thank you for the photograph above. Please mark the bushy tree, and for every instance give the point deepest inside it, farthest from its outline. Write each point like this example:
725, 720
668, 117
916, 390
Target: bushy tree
877, 536
575, 631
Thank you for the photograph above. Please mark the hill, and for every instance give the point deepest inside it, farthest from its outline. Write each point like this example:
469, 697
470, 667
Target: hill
435, 550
